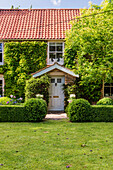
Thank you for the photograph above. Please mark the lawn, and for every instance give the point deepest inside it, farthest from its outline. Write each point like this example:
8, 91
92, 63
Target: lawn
56, 144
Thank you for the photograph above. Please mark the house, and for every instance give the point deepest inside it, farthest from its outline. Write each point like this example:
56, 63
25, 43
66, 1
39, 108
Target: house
47, 25
41, 24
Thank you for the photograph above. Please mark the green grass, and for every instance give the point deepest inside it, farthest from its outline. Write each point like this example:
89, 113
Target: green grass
55, 144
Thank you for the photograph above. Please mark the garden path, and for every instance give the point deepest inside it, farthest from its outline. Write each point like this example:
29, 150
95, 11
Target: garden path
56, 116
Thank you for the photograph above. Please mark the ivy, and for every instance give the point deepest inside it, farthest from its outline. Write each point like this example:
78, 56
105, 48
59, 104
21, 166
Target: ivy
20, 60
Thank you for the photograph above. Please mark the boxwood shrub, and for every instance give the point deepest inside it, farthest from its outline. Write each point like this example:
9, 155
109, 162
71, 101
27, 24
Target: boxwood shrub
36, 109
105, 101
101, 113
12, 113
33, 110
79, 110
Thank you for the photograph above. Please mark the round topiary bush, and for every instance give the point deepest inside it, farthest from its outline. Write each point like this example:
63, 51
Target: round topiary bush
105, 101
36, 109
79, 110
4, 100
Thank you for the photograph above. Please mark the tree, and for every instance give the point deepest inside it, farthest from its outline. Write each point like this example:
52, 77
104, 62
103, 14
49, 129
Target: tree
12, 7
89, 47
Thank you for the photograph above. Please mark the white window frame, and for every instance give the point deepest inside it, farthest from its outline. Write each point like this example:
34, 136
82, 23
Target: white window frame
1, 78
109, 86
1, 63
49, 62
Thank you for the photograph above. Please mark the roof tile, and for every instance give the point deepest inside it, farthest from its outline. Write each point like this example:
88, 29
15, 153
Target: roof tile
35, 23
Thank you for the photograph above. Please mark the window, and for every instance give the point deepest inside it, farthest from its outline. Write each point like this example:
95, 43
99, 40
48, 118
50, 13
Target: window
55, 52
108, 89
1, 87
59, 80
1, 53
52, 80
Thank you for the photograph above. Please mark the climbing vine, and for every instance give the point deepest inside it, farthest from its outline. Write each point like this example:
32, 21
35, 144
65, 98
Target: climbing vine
20, 60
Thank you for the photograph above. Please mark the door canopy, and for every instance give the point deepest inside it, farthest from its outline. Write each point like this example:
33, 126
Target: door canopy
53, 67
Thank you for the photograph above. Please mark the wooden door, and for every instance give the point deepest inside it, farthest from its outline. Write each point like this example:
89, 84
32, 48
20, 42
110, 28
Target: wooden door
56, 95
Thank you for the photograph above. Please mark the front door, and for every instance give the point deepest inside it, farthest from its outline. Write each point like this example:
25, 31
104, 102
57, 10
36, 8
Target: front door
56, 95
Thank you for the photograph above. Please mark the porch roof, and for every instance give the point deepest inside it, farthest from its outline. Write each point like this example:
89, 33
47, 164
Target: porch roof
53, 67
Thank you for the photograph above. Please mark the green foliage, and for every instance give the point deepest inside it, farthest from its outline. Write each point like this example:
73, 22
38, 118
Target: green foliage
37, 86
101, 113
33, 110
90, 91
105, 101
88, 48
21, 59
4, 100
13, 113
70, 88
79, 110
36, 109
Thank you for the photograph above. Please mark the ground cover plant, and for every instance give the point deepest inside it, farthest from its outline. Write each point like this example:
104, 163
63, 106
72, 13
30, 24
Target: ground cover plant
11, 101
56, 144
4, 100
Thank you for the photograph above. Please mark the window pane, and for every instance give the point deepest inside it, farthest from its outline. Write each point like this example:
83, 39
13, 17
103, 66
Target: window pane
107, 84
52, 80
51, 44
59, 48
51, 48
111, 91
52, 56
0, 83
59, 81
106, 91
0, 47
0, 88
58, 55
59, 44
0, 92
0, 57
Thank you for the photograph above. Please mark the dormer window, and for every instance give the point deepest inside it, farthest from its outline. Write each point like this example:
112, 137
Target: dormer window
55, 53
1, 53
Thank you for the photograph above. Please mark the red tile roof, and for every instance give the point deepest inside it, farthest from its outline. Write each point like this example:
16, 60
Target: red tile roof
35, 23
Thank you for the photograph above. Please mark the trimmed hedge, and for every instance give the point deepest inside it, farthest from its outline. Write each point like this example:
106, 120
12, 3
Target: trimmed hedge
101, 113
36, 109
33, 110
105, 101
12, 113
79, 110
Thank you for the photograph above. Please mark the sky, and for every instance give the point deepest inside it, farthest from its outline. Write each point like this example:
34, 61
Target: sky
47, 3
